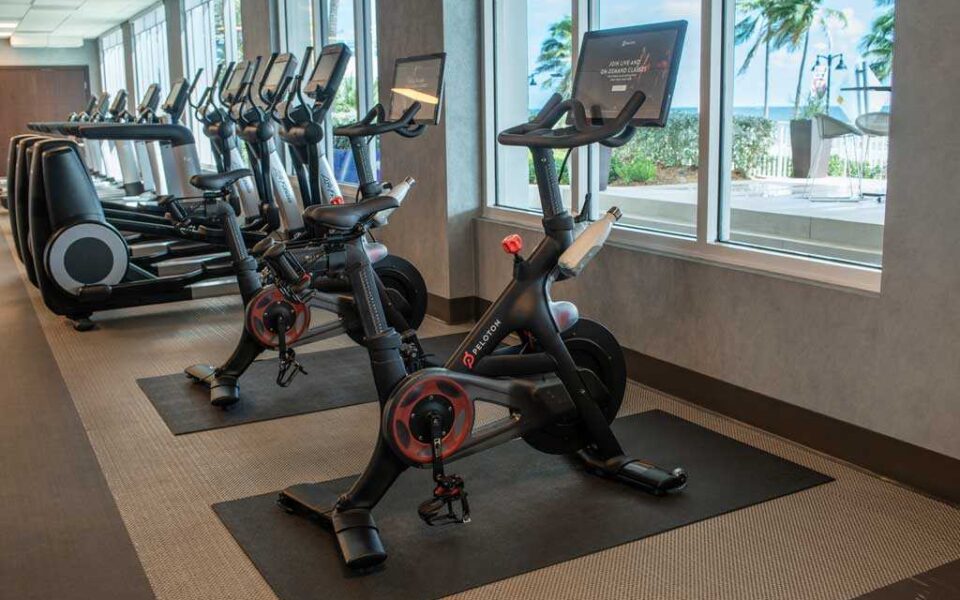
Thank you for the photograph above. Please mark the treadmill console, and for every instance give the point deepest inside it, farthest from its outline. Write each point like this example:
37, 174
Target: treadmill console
150, 99
176, 101
119, 104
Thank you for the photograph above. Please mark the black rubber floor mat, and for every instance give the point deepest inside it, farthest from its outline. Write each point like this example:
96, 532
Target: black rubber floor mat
335, 378
530, 510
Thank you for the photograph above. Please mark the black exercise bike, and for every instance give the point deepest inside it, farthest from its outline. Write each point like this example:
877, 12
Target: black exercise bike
562, 384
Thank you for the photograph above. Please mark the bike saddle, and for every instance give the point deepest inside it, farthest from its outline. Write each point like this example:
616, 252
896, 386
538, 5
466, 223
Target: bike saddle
214, 182
348, 216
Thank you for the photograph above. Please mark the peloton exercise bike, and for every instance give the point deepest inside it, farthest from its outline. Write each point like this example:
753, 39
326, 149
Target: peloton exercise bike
564, 383
315, 276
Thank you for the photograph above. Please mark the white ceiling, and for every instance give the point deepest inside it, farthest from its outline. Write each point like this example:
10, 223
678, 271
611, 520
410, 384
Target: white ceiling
64, 23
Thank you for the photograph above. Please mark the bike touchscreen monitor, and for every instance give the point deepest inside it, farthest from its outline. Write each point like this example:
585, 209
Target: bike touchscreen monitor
418, 79
328, 71
615, 63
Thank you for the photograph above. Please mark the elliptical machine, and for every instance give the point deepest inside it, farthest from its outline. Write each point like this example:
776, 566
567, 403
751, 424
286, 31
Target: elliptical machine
562, 385
257, 127
213, 110
302, 123
314, 275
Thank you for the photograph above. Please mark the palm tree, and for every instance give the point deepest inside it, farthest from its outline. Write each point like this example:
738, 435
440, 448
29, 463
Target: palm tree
877, 44
756, 26
792, 22
554, 59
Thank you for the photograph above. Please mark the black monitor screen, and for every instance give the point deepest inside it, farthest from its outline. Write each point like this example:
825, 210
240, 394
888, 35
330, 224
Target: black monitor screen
418, 79
328, 71
282, 67
614, 63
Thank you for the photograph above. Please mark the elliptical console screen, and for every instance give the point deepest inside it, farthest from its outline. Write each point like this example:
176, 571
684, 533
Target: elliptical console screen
614, 63
236, 80
328, 72
418, 79
282, 67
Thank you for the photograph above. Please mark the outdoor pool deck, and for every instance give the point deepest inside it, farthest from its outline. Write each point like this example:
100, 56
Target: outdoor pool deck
780, 213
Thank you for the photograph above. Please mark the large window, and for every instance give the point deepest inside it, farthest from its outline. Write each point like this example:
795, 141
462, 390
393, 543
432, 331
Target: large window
112, 69
809, 127
150, 50
533, 52
354, 24
777, 140
213, 35
654, 177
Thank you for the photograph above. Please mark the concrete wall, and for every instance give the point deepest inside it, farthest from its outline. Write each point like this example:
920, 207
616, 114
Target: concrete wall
173, 13
435, 228
260, 33
88, 55
890, 363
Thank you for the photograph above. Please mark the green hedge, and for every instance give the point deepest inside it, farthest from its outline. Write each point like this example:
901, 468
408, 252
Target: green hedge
678, 144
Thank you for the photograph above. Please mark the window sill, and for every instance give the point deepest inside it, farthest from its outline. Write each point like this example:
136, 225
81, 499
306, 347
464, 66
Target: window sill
825, 273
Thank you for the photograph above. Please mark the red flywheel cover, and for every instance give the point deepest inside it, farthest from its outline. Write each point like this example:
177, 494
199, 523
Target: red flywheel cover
257, 311
398, 419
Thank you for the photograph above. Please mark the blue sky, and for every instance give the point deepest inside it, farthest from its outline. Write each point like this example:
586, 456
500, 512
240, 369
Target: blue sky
748, 88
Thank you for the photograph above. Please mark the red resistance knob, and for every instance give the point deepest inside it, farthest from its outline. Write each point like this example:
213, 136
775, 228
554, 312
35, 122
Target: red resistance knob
512, 244
337, 200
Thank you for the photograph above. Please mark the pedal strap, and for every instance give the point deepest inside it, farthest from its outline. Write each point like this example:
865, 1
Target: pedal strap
289, 367
448, 491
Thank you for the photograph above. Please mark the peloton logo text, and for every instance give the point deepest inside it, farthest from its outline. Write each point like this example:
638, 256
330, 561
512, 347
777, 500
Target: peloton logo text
470, 356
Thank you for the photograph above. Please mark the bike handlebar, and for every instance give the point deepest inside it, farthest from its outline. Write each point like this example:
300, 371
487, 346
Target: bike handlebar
539, 133
374, 124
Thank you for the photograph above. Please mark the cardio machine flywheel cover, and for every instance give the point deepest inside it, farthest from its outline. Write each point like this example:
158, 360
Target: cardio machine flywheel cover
261, 320
400, 419
86, 253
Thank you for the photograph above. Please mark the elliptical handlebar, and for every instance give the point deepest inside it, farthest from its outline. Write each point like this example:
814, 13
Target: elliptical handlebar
296, 91
193, 86
263, 80
374, 123
539, 133
244, 94
230, 68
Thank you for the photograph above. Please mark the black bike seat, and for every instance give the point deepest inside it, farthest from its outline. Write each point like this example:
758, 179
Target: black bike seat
347, 216
214, 182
